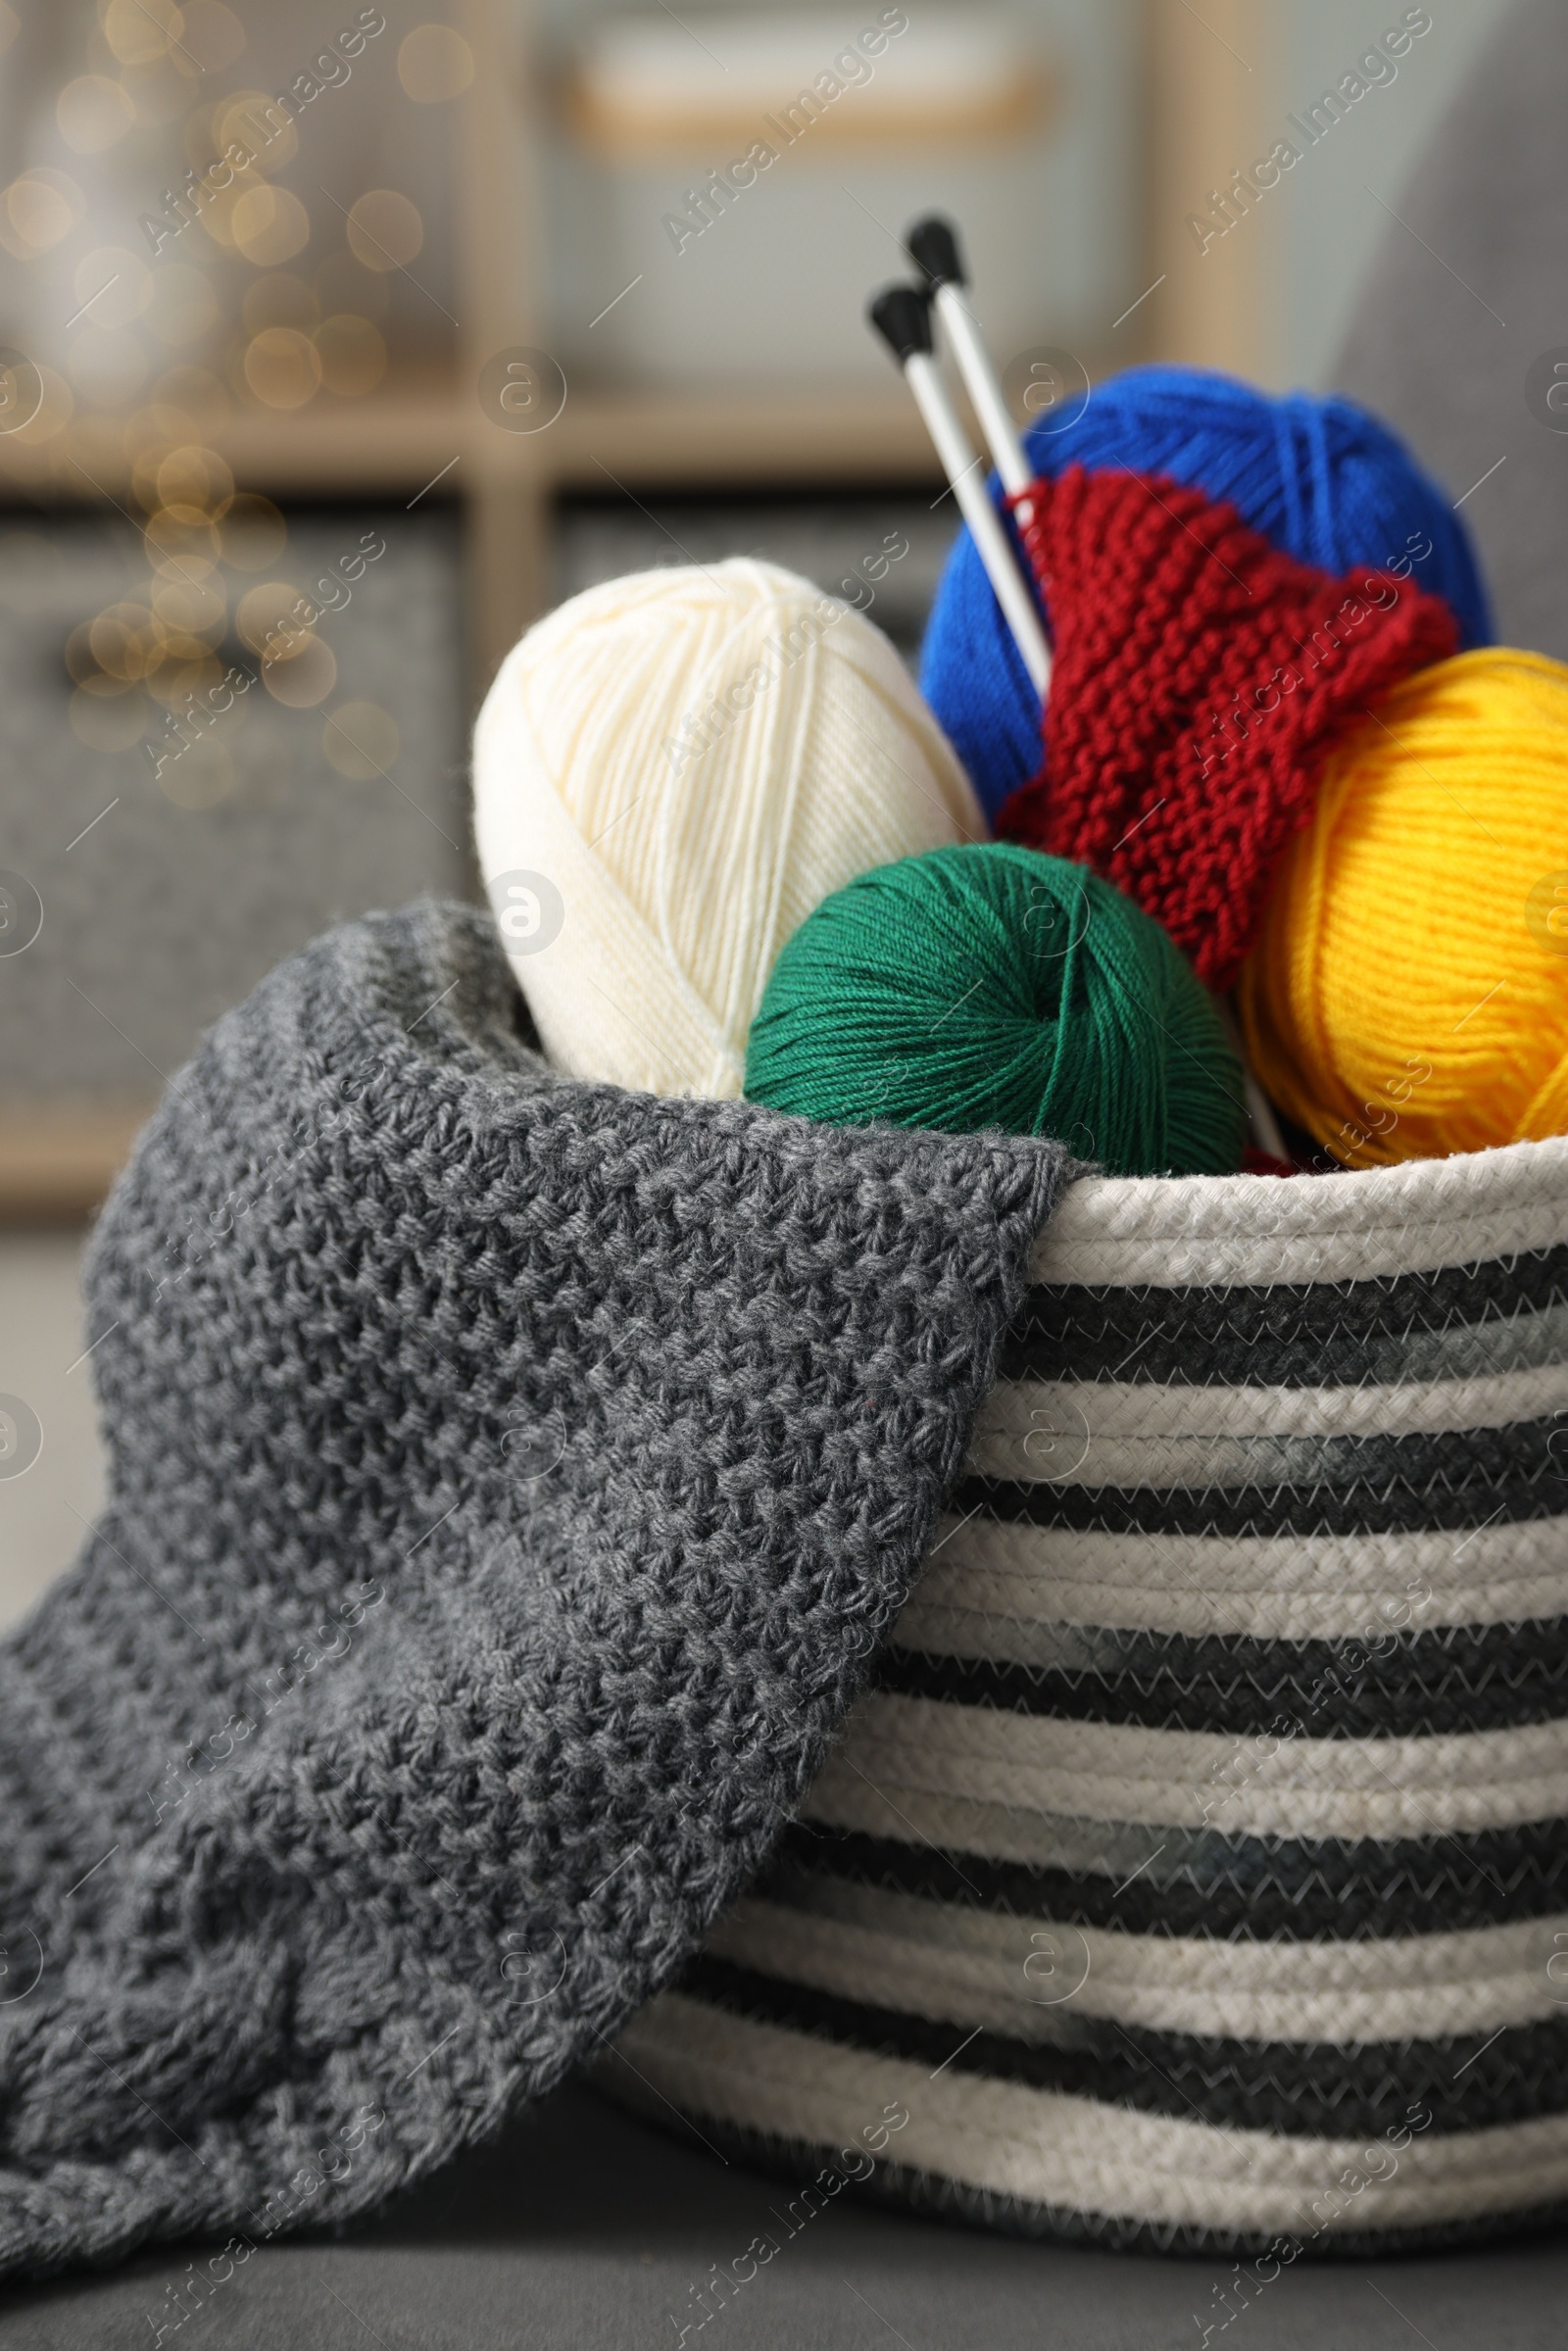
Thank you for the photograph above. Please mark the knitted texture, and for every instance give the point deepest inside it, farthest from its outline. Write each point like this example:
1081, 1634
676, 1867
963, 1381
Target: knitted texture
510, 1483
1200, 680
1323, 481
1194, 1874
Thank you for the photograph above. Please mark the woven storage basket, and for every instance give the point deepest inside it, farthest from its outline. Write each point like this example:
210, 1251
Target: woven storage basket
1196, 1871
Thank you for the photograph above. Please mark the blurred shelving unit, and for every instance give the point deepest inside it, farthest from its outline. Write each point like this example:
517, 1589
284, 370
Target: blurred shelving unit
410, 438
424, 435
425, 432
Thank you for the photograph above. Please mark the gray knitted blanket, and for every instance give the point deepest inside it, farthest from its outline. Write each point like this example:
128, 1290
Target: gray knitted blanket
511, 1481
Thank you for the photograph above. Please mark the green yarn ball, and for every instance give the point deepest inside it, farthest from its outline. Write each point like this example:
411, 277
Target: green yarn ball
994, 987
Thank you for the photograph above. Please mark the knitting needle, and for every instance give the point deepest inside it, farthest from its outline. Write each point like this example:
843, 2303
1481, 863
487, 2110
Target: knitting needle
1261, 1119
1261, 1122
932, 244
902, 316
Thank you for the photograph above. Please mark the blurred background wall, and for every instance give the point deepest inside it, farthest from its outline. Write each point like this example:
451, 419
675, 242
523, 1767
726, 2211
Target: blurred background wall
1274, 298
335, 342
1327, 240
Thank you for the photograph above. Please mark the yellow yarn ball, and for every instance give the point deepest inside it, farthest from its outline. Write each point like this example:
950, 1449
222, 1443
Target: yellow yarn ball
670, 774
1407, 996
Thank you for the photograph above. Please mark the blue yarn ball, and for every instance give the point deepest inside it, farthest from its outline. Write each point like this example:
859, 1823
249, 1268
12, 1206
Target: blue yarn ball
1323, 479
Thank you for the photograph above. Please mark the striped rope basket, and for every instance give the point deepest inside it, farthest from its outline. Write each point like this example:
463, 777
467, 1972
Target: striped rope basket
1196, 1874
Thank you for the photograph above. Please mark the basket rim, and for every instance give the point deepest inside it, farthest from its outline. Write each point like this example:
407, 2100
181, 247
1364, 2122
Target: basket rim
1172, 1231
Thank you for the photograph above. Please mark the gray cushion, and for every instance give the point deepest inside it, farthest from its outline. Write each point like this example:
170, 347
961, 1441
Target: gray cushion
587, 2231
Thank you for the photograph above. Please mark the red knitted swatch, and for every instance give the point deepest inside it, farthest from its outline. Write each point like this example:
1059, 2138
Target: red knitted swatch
1200, 679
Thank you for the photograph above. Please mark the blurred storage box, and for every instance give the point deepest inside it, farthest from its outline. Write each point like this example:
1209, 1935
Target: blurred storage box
882, 555
729, 184
166, 895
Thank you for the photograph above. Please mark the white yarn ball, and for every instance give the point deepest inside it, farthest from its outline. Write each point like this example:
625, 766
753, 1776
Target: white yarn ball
670, 774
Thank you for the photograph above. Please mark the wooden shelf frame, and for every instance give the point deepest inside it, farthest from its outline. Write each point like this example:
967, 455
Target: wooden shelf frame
399, 440
58, 1158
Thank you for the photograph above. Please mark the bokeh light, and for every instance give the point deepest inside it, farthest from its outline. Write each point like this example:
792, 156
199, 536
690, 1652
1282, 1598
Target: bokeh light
434, 62
304, 677
265, 614
270, 226
92, 112
122, 639
194, 482
145, 344
181, 682
283, 367
384, 229
40, 207
188, 607
255, 123
360, 740
215, 217
142, 32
